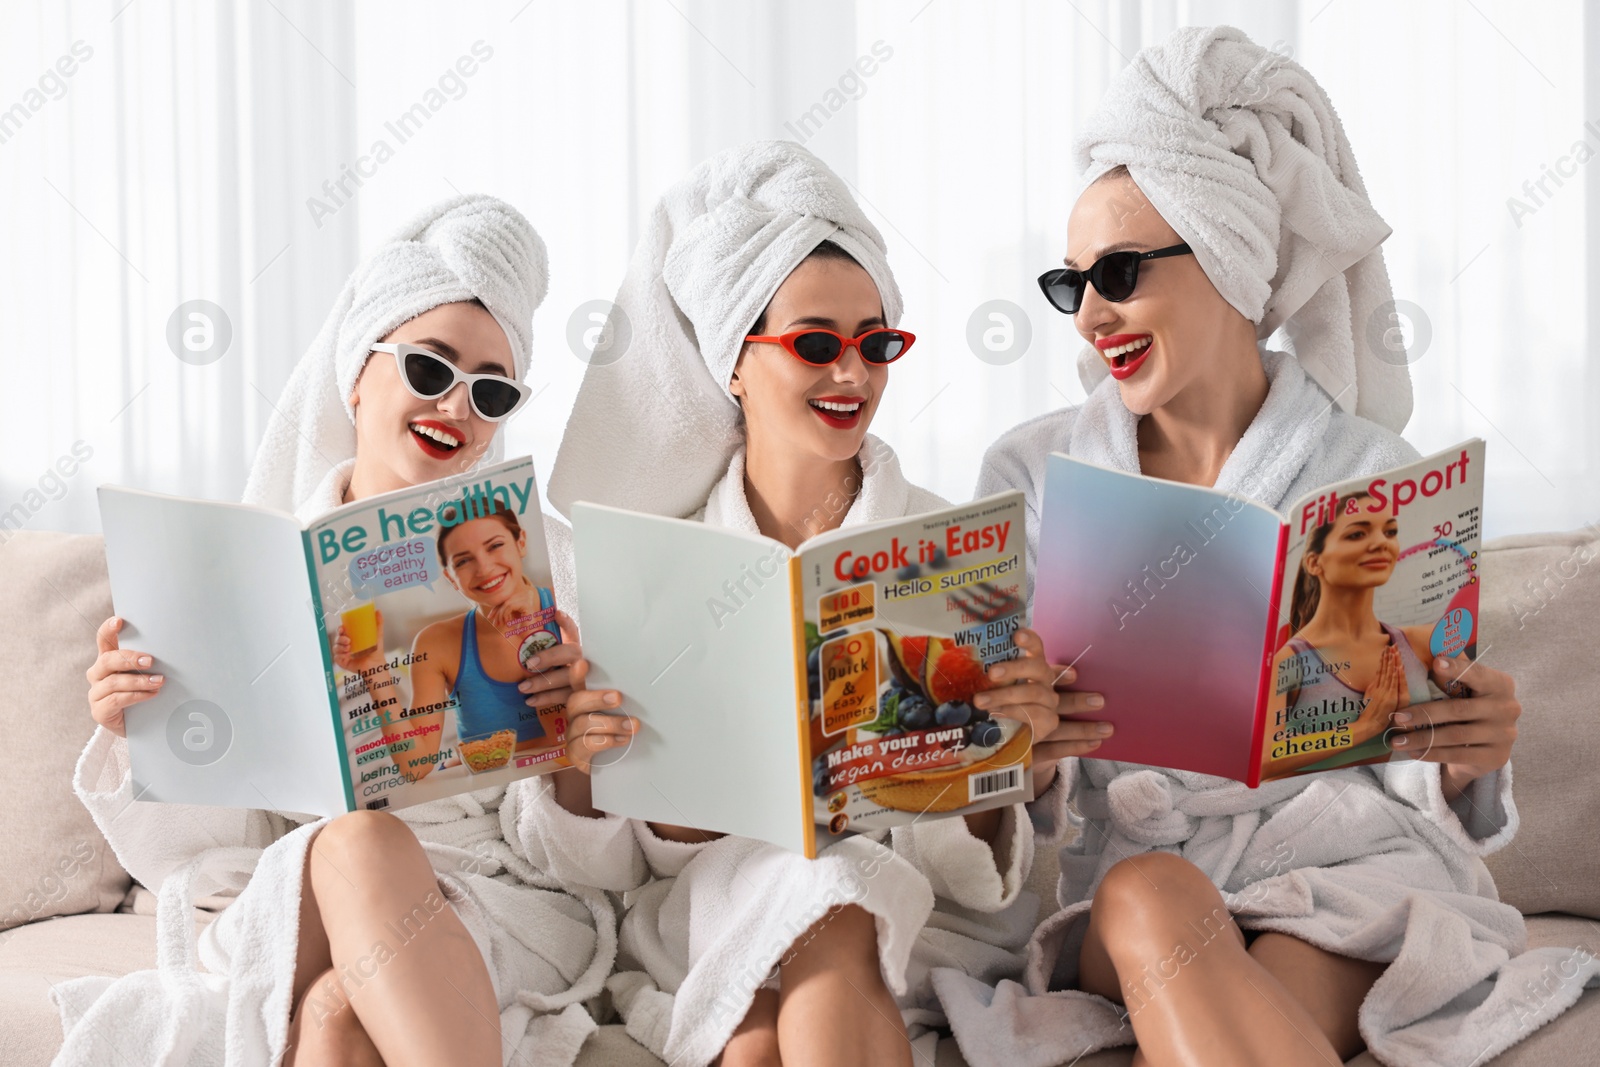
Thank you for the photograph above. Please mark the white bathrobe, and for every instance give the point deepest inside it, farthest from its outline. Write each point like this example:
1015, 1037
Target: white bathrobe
548, 949
1368, 862
707, 923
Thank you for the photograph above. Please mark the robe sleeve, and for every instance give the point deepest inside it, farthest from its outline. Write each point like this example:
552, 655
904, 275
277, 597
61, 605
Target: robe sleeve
1482, 820
151, 840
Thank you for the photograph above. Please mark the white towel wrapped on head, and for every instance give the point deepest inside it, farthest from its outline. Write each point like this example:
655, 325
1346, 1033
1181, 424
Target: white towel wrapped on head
547, 947
1241, 152
465, 248
707, 923
654, 429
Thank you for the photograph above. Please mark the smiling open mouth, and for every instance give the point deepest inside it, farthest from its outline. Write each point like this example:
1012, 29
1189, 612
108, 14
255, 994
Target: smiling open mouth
435, 439
492, 584
838, 412
1126, 359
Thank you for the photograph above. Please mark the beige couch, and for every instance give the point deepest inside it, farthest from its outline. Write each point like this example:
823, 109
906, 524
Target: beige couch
67, 908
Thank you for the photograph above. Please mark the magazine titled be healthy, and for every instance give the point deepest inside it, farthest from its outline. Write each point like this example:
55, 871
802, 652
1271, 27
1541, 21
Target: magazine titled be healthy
805, 695
367, 661
1231, 640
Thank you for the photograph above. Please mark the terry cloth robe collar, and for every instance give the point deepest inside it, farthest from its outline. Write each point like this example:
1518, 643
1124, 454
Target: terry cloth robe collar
1276, 447
884, 492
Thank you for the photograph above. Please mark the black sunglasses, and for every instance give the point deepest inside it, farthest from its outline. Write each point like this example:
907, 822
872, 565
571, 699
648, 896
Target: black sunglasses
1113, 275
428, 376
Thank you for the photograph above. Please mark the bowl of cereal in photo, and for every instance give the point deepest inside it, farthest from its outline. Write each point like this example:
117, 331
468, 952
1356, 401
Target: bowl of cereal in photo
487, 752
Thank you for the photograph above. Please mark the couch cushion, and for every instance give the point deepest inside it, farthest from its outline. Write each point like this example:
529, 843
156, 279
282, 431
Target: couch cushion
610, 1046
36, 956
1540, 603
53, 594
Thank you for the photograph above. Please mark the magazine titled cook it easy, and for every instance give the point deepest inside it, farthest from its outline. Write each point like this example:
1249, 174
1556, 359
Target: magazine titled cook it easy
1231, 640
797, 695
370, 660
901, 625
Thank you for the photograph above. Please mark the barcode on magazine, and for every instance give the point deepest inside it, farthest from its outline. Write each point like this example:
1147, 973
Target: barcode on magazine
991, 782
374, 805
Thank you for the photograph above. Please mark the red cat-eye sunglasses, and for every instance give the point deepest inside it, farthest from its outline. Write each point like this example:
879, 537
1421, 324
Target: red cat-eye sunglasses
819, 347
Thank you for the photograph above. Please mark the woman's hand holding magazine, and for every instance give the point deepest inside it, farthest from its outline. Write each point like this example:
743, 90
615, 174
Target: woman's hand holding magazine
1471, 733
595, 726
117, 678
1025, 691
551, 682
1068, 737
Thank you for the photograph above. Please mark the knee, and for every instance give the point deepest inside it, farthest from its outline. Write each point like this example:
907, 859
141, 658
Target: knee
1159, 875
360, 837
1151, 893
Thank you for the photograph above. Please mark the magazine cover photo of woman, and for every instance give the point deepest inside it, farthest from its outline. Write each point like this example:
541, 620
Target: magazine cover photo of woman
471, 663
1344, 672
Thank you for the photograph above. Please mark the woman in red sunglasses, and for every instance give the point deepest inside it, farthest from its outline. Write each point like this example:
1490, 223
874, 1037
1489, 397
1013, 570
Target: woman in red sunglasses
767, 299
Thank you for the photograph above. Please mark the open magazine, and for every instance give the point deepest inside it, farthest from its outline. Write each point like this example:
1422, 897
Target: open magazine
1234, 641
829, 686
369, 660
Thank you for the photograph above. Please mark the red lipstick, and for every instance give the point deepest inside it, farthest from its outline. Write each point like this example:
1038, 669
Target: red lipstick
431, 448
839, 420
1126, 365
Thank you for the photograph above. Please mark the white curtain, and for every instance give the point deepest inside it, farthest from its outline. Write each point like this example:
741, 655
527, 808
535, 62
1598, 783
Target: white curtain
229, 153
168, 166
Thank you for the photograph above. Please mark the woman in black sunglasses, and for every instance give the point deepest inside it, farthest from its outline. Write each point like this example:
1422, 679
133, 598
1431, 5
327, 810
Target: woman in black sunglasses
799, 961
1183, 258
409, 381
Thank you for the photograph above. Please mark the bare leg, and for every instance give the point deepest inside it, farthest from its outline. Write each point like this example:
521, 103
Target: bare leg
833, 1006
335, 1040
755, 1042
312, 960
1161, 942
1330, 986
382, 950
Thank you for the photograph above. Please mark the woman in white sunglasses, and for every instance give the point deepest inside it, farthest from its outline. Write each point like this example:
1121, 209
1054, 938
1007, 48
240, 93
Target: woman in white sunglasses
419, 363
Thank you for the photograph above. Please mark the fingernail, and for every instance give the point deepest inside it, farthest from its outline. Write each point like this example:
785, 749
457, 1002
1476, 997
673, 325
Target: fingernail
145, 661
116, 621
1094, 745
981, 700
997, 673
533, 662
1400, 742
1103, 729
525, 686
1441, 664
157, 679
613, 698
1095, 700
1069, 675
1402, 716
